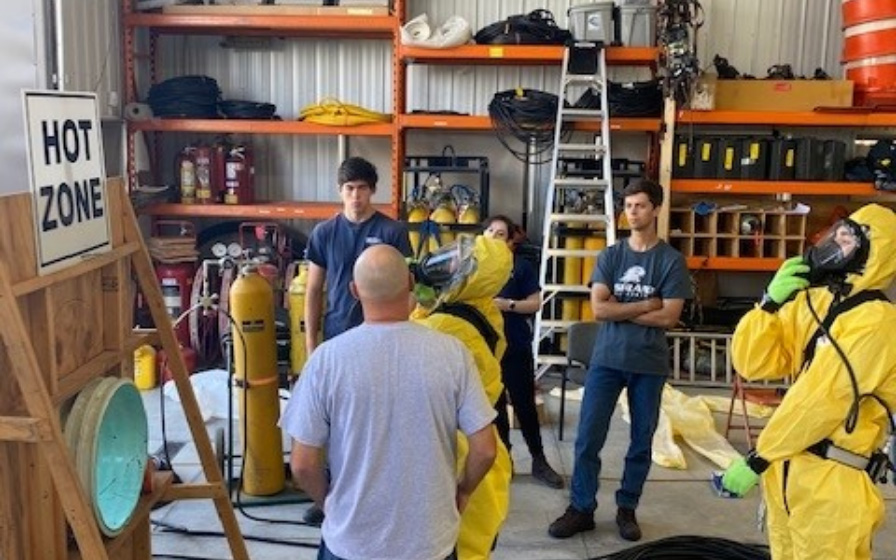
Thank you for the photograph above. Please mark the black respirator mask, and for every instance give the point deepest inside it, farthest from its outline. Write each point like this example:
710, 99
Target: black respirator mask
841, 250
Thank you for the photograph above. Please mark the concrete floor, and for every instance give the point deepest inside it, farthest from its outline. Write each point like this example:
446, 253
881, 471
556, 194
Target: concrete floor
675, 502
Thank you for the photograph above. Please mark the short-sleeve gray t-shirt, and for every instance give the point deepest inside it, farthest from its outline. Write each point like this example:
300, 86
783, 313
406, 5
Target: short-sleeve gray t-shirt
386, 401
631, 276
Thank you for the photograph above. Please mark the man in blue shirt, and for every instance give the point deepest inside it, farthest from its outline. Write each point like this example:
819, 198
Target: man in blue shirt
638, 289
334, 247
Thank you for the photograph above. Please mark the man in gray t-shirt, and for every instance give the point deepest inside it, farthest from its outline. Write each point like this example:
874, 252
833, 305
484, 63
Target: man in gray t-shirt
385, 400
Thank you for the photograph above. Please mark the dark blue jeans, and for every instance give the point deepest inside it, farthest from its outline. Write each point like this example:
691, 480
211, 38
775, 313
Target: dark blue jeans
323, 553
602, 388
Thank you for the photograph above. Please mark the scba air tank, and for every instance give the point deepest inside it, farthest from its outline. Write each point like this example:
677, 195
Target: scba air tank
257, 382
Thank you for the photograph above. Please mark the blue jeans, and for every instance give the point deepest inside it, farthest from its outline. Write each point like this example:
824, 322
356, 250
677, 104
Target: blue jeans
323, 553
602, 388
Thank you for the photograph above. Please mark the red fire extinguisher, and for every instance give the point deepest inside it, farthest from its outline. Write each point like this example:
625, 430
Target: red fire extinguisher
185, 169
202, 159
219, 161
176, 281
239, 175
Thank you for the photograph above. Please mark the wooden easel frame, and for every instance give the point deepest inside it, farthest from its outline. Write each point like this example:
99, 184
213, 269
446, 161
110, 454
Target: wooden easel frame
44, 367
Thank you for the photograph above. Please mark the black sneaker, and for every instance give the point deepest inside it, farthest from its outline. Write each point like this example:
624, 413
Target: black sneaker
542, 471
313, 516
570, 523
628, 525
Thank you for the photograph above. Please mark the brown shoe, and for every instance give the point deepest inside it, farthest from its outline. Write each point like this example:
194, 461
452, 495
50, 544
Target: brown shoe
571, 523
542, 471
628, 525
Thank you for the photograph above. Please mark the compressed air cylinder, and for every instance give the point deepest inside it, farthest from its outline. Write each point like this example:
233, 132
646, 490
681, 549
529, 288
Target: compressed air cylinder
417, 214
255, 375
297, 351
595, 245
444, 215
572, 274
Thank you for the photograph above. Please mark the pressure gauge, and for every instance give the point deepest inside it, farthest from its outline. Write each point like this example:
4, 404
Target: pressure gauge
219, 250
234, 250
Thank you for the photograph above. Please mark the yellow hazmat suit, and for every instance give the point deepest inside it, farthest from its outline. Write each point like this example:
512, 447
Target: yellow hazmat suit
488, 506
819, 508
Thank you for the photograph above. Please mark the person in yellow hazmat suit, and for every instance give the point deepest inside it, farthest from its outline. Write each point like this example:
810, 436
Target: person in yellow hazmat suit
461, 281
825, 320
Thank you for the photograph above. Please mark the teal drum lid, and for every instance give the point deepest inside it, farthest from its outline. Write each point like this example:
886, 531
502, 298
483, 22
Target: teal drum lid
117, 446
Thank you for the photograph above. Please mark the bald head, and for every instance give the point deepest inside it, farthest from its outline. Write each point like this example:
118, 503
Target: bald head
381, 275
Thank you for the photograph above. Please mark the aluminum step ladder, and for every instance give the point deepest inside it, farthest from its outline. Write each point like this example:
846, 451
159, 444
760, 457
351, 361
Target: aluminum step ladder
579, 202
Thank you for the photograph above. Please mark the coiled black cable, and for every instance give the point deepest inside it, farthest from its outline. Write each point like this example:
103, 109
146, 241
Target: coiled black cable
185, 96
535, 28
627, 99
235, 109
691, 548
528, 116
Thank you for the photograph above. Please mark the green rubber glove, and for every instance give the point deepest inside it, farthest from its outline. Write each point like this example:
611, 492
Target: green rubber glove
787, 280
425, 295
739, 478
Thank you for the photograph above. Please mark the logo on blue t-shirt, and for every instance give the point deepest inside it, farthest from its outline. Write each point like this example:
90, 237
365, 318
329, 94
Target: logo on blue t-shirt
629, 285
372, 241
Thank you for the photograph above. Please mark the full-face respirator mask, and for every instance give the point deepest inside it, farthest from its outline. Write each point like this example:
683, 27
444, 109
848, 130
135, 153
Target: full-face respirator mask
443, 271
841, 250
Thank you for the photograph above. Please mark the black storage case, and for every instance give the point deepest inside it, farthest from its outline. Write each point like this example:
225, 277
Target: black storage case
706, 157
754, 159
834, 167
809, 159
729, 157
782, 159
683, 157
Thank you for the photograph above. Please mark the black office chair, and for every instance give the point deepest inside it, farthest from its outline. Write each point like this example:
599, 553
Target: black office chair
579, 344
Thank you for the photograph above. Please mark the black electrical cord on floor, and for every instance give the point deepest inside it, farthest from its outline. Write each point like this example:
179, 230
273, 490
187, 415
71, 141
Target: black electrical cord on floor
690, 547
169, 528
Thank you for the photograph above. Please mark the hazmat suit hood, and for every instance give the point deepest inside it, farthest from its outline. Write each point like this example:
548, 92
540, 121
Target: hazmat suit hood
880, 269
494, 262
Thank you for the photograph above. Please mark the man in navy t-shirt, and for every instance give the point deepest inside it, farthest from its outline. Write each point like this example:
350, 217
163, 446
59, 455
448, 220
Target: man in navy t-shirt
334, 247
638, 289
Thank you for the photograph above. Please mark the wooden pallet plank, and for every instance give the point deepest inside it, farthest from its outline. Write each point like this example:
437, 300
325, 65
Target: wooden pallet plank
26, 370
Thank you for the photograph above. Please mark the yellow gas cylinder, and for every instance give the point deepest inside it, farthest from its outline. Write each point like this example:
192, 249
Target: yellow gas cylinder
572, 274
594, 244
297, 352
469, 215
255, 375
417, 213
444, 215
146, 376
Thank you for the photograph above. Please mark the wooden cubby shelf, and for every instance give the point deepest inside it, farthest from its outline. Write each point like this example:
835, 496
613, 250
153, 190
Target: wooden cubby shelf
747, 233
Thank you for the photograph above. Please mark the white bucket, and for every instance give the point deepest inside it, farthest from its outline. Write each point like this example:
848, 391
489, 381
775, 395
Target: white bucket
637, 26
592, 22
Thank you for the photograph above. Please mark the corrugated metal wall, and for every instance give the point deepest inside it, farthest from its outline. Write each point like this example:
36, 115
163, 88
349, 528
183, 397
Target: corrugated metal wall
752, 34
89, 50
